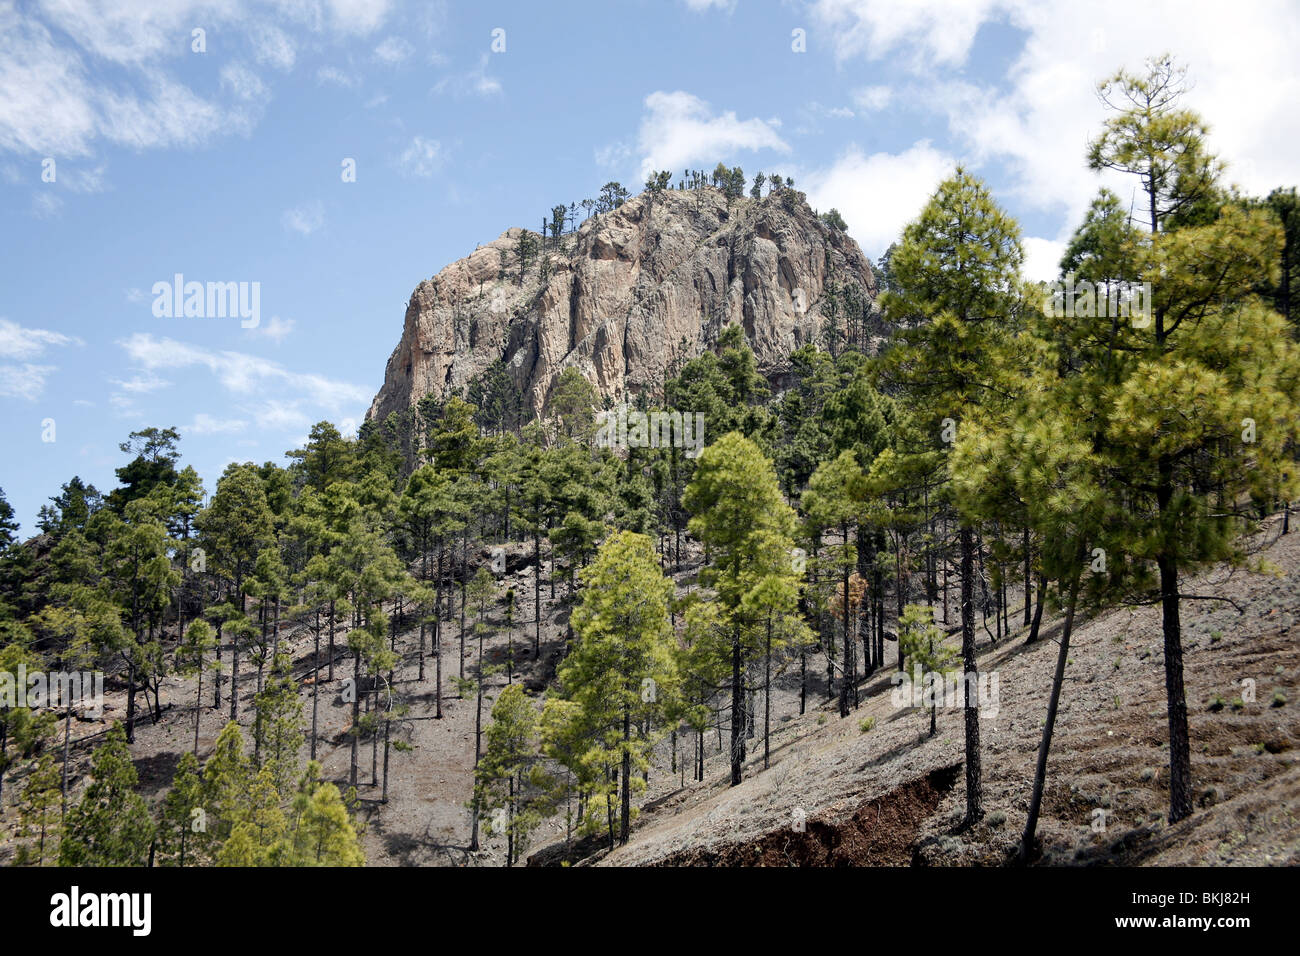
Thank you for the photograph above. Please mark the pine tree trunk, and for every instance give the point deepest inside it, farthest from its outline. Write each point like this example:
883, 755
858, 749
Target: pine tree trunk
67, 749
737, 712
537, 593
437, 640
1038, 608
130, 703
315, 684
803, 681
1025, 541
423, 624
216, 671
331, 643
609, 808
198, 707
1045, 745
1180, 761
373, 707
275, 630
387, 731
767, 698
464, 573
234, 665
846, 675
974, 802
356, 714
625, 784
510, 824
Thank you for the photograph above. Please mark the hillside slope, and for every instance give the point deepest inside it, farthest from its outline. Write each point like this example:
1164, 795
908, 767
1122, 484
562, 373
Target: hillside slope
893, 795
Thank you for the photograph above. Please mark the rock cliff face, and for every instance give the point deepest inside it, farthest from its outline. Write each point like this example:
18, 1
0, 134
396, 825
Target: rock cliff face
632, 294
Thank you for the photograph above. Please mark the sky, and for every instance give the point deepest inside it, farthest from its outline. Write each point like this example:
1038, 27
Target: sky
329, 155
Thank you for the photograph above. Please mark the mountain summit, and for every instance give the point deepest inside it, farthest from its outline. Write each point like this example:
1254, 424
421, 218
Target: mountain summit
627, 297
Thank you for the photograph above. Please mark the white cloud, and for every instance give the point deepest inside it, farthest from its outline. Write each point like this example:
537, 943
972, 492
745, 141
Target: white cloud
679, 129
19, 342
358, 16
335, 77
23, 379
873, 99
205, 424
141, 384
933, 31
46, 205
304, 219
475, 81
699, 6
1042, 258
1035, 121
277, 330
878, 194
77, 72
247, 376
243, 83
421, 158
393, 50
272, 47
135, 32
78, 179
170, 115
614, 154
45, 102
54, 102
281, 416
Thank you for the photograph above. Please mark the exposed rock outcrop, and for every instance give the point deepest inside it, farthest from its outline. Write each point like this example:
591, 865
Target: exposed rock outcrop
629, 296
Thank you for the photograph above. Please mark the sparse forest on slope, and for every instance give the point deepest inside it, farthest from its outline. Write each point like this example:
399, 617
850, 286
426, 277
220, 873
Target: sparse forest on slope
493, 626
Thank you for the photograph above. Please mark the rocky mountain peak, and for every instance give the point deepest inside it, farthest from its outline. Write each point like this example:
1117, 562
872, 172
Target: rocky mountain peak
626, 298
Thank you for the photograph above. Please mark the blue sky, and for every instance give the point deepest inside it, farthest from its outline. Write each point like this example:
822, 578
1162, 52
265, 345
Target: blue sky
225, 165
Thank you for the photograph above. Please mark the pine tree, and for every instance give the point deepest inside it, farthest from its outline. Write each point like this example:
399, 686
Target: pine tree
227, 777
747, 529
957, 297
38, 813
834, 501
510, 785
278, 729
1187, 466
260, 835
110, 825
323, 832
183, 817
928, 657
622, 671
191, 661
233, 529
481, 594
